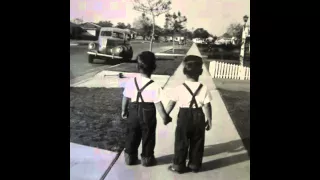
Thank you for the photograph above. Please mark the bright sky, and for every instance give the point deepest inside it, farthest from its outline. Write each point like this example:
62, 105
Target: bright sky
212, 15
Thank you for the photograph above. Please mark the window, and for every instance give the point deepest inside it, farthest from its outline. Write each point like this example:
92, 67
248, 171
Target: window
118, 35
105, 33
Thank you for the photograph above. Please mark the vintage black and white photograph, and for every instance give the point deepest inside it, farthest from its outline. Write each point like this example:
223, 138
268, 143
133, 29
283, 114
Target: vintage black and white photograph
159, 89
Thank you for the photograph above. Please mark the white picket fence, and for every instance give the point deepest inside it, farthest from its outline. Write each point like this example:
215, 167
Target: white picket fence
228, 71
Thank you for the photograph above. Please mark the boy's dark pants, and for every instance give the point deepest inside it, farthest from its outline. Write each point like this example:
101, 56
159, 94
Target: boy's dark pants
141, 125
190, 132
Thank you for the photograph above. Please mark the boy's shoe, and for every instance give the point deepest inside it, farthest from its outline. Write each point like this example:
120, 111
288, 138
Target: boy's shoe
194, 168
131, 159
177, 169
148, 161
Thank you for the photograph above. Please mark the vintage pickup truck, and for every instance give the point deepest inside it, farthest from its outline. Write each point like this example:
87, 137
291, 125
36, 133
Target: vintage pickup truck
113, 43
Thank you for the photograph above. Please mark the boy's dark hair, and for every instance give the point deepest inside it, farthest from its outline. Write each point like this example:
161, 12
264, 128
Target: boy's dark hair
146, 62
192, 66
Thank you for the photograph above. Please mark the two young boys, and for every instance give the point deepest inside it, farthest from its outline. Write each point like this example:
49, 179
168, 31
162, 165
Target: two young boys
193, 99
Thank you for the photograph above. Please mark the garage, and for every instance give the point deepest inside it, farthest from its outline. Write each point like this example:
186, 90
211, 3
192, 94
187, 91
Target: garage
91, 28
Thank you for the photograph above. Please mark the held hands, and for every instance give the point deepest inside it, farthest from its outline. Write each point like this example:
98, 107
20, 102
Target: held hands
208, 125
167, 120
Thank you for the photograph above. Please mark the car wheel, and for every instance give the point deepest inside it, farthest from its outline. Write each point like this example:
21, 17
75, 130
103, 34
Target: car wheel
90, 58
128, 57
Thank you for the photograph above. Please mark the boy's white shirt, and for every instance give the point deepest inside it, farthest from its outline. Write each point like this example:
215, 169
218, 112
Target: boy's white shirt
182, 96
152, 93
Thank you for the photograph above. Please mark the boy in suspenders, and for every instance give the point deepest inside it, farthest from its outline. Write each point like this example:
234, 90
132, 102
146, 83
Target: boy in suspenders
145, 98
193, 98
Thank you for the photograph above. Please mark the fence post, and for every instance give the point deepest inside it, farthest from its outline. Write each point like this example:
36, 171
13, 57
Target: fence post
212, 68
220, 70
233, 69
242, 72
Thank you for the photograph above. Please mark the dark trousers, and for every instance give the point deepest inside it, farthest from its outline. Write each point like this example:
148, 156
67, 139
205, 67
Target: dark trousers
190, 134
142, 124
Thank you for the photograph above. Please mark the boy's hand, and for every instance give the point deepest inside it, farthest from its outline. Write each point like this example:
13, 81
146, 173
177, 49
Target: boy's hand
208, 125
167, 120
124, 114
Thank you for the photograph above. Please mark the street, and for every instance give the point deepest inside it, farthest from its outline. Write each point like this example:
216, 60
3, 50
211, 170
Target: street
79, 59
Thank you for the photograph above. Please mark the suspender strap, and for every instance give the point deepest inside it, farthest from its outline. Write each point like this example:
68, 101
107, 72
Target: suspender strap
193, 100
139, 95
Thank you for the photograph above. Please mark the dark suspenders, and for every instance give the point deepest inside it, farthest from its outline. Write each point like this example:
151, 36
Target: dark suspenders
139, 95
193, 100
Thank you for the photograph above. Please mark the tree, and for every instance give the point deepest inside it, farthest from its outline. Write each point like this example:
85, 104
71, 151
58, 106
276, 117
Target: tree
188, 34
175, 23
200, 33
214, 38
235, 30
143, 25
77, 21
158, 31
128, 26
121, 25
227, 35
153, 8
105, 23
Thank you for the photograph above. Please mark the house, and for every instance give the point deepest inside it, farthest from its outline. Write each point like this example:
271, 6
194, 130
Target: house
78, 33
176, 37
91, 28
198, 40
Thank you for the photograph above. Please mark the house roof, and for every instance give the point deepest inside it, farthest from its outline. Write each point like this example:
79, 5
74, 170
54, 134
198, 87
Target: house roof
116, 29
73, 24
90, 25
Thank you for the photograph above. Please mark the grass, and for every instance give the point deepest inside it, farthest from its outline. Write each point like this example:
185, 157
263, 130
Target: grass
236, 96
164, 67
95, 112
95, 118
176, 51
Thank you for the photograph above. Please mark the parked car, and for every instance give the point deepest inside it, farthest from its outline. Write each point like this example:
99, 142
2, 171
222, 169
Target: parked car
112, 43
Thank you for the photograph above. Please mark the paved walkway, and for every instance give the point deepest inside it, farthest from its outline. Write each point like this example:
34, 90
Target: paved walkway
224, 158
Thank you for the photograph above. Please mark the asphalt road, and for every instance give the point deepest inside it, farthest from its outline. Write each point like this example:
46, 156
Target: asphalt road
79, 60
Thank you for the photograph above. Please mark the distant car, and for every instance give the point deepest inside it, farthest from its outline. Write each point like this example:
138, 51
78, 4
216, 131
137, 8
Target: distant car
112, 43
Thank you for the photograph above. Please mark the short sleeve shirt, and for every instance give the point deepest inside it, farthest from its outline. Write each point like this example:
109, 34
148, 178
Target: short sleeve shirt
152, 93
182, 96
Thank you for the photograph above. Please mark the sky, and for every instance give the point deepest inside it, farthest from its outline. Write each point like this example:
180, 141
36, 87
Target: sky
212, 15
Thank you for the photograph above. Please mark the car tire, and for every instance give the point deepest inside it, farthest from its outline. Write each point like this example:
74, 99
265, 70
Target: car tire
127, 58
90, 58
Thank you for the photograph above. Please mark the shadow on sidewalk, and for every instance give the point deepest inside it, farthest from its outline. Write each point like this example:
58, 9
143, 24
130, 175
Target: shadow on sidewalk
223, 162
231, 147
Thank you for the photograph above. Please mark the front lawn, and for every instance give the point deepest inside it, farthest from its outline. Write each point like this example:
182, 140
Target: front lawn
236, 96
95, 118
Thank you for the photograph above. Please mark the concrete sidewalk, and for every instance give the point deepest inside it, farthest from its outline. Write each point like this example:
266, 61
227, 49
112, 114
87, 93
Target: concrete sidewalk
224, 159
89, 163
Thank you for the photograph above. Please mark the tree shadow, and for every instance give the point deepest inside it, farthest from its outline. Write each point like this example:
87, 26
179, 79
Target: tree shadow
231, 147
